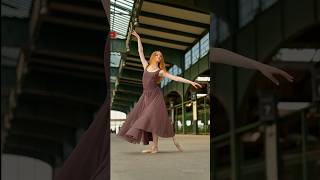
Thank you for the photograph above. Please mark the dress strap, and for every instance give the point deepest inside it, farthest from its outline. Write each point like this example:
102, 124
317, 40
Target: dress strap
145, 69
157, 72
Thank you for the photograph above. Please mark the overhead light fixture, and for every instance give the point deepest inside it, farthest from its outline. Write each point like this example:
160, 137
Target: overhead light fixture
293, 106
251, 136
201, 95
298, 55
204, 78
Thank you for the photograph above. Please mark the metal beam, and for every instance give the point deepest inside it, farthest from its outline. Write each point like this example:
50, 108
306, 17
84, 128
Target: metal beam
75, 23
165, 40
66, 65
203, 6
133, 68
117, 108
67, 55
59, 95
124, 100
131, 82
171, 56
171, 31
46, 83
134, 64
120, 105
66, 72
129, 92
128, 88
41, 145
120, 95
76, 9
45, 119
54, 37
30, 152
174, 19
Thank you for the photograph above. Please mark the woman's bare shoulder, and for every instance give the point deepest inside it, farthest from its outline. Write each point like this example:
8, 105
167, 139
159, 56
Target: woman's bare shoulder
161, 72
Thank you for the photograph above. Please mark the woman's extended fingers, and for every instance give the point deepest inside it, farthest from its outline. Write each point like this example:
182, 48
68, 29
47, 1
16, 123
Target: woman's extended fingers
286, 75
273, 79
270, 71
196, 85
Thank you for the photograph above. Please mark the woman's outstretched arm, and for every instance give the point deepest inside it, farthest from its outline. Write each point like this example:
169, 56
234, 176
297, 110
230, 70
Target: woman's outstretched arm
140, 50
219, 55
179, 79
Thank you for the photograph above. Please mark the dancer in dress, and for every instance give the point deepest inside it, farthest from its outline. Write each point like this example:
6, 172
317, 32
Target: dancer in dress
149, 119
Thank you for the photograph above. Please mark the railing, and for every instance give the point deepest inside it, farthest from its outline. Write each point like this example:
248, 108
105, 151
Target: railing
255, 125
183, 117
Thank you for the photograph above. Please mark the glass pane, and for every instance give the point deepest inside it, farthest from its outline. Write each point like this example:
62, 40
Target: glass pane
195, 53
115, 59
187, 59
204, 45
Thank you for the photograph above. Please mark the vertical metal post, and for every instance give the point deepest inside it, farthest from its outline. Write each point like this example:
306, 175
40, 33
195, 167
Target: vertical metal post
173, 121
269, 114
183, 115
234, 142
213, 162
205, 122
194, 112
271, 147
304, 146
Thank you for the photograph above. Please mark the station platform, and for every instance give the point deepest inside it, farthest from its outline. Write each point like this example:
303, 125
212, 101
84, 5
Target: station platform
128, 163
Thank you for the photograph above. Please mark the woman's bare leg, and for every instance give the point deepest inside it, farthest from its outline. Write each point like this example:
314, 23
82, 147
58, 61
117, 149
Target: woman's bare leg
151, 146
155, 143
177, 144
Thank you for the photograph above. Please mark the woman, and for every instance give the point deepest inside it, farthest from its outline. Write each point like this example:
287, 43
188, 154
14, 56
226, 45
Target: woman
149, 118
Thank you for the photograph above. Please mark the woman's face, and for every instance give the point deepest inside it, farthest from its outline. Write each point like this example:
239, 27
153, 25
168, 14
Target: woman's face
158, 57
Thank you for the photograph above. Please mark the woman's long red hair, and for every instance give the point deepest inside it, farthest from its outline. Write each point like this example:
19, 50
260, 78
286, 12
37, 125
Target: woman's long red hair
161, 65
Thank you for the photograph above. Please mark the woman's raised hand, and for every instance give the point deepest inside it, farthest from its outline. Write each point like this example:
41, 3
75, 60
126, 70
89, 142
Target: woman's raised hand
134, 33
196, 85
270, 71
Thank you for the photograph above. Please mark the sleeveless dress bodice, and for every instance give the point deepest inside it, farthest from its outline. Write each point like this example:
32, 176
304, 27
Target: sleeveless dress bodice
149, 80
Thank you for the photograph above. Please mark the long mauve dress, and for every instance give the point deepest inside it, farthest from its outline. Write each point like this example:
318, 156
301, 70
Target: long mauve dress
149, 115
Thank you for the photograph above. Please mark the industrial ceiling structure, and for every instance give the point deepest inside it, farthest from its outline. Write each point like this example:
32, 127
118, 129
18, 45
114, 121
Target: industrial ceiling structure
54, 79
173, 29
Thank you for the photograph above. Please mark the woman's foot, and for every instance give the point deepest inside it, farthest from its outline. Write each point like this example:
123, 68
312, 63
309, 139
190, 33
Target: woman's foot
149, 150
154, 150
178, 146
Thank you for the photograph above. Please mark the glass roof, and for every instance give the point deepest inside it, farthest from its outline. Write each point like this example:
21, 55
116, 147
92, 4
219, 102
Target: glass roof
15, 8
120, 13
